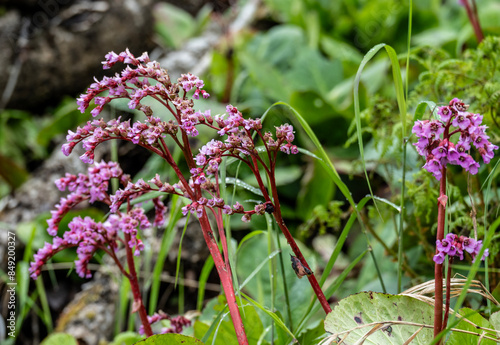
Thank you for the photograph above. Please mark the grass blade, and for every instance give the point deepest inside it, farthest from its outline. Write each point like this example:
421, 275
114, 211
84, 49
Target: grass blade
275, 317
205, 273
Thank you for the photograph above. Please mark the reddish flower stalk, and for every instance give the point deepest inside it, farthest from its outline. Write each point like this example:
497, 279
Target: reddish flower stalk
312, 278
439, 152
438, 268
226, 279
145, 78
448, 297
138, 305
284, 229
474, 19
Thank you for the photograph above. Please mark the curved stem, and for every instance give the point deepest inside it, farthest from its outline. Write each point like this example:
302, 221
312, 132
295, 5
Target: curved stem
170, 160
312, 278
281, 223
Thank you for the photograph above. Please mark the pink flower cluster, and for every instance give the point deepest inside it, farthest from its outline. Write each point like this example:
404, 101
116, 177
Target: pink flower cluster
434, 139
97, 131
240, 140
135, 84
145, 78
454, 246
92, 186
86, 234
89, 236
177, 323
198, 206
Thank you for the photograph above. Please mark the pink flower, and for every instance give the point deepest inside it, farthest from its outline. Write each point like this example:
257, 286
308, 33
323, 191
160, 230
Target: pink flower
434, 148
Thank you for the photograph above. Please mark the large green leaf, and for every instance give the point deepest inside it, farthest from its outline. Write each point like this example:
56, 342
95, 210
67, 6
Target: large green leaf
393, 319
474, 324
312, 72
224, 333
170, 339
59, 338
279, 46
266, 76
14, 174
495, 320
173, 24
259, 287
127, 338
317, 189
317, 111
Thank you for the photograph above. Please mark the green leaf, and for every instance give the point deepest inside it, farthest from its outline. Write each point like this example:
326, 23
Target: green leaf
340, 50
170, 339
459, 338
173, 24
400, 96
266, 77
127, 338
317, 111
205, 273
11, 172
274, 316
279, 46
312, 72
66, 116
317, 190
59, 338
224, 333
391, 317
240, 183
421, 108
495, 320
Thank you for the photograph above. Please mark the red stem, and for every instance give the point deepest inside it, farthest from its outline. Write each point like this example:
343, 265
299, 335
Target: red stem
312, 278
448, 288
226, 279
474, 20
170, 160
281, 223
223, 269
438, 268
136, 291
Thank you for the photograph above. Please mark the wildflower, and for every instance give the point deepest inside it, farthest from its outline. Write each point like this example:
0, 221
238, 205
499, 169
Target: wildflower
177, 323
434, 139
454, 246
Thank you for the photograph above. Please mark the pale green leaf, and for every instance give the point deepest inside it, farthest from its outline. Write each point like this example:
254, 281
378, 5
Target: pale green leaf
396, 317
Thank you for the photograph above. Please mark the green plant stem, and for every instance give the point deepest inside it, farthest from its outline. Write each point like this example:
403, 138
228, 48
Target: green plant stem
226, 279
438, 268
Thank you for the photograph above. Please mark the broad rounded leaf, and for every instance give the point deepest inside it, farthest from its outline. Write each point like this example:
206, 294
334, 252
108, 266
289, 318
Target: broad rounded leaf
59, 338
495, 320
393, 319
476, 326
170, 339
